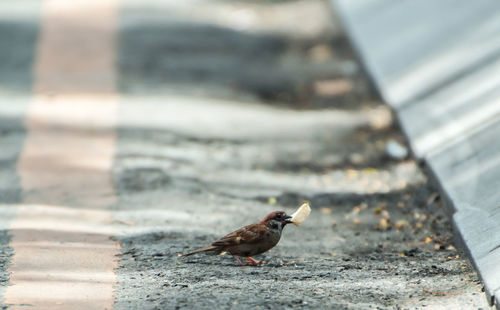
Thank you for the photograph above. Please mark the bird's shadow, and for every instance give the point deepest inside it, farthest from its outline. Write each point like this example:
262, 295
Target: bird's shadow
270, 263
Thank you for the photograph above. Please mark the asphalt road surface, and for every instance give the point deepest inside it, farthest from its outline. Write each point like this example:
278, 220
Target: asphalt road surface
135, 131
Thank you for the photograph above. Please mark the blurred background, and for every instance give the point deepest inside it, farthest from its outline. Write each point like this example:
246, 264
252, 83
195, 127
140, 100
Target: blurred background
222, 111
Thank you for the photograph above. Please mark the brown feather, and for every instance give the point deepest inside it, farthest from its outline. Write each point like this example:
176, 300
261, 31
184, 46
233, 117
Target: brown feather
204, 249
250, 240
247, 235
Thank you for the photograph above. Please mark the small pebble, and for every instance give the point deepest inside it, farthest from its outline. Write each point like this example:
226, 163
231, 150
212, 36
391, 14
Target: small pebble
396, 150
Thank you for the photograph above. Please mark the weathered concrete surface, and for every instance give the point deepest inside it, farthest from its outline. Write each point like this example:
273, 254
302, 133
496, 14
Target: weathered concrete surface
441, 78
199, 155
60, 258
12, 135
225, 122
453, 112
468, 173
18, 33
19, 23
409, 59
179, 191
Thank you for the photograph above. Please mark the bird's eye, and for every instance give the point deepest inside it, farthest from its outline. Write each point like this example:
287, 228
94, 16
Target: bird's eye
278, 216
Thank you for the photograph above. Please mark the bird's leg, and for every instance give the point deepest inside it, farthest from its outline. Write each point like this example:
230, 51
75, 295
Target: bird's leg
237, 259
252, 261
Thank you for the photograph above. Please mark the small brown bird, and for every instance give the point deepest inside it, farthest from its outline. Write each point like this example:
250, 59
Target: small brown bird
251, 240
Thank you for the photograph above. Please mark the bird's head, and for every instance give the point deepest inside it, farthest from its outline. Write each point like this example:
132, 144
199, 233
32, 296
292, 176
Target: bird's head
277, 218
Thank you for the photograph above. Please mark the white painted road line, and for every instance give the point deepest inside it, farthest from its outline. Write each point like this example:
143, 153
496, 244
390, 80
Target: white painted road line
63, 254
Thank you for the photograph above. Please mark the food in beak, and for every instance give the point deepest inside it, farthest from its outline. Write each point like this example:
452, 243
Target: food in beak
301, 214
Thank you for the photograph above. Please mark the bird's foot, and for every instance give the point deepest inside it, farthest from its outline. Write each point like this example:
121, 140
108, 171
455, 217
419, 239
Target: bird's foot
238, 261
251, 261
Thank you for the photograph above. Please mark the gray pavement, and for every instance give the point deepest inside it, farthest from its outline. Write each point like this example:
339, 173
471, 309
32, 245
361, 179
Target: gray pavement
18, 32
222, 120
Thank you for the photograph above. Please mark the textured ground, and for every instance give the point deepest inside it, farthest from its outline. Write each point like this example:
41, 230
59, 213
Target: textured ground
233, 111
274, 117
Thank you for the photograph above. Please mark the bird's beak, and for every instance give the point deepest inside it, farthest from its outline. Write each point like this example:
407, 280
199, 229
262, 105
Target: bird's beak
287, 219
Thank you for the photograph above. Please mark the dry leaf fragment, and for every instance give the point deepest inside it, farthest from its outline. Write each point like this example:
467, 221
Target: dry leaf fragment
334, 87
351, 173
326, 210
128, 223
432, 198
439, 293
400, 224
370, 171
385, 214
383, 223
272, 200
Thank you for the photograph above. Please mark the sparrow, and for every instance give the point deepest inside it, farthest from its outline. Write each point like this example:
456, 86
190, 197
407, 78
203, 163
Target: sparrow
250, 240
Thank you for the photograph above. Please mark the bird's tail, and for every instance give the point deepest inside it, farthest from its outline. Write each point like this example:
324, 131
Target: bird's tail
203, 249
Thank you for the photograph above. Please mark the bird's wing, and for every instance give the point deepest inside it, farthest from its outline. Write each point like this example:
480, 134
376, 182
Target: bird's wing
253, 233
